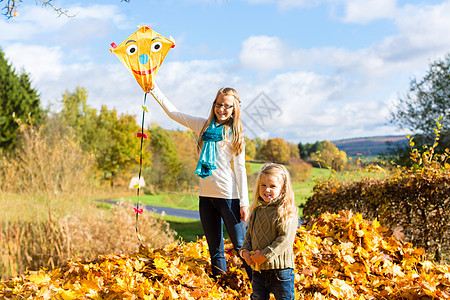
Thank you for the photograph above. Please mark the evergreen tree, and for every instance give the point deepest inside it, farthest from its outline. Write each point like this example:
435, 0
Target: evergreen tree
18, 101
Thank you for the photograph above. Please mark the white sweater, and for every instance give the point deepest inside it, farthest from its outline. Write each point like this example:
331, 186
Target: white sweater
224, 182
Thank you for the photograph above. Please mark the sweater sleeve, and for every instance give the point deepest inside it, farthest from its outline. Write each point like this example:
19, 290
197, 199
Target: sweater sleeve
241, 178
191, 122
285, 239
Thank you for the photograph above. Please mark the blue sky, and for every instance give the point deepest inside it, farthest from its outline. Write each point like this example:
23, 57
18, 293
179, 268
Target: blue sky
314, 69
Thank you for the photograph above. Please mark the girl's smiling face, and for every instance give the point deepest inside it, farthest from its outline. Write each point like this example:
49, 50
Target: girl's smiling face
270, 187
223, 108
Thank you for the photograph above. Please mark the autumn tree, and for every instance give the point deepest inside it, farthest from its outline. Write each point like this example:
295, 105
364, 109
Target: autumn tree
323, 154
274, 150
19, 102
339, 161
80, 117
331, 157
293, 151
250, 148
186, 145
111, 138
166, 165
427, 100
116, 147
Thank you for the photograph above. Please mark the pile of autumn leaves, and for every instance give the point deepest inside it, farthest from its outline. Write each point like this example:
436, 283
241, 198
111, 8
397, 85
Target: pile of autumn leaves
338, 256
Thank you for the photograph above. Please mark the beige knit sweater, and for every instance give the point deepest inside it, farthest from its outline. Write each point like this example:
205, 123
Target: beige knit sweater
274, 240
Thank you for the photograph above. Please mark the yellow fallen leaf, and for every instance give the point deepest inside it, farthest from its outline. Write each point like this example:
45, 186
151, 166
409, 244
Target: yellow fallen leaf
39, 278
160, 263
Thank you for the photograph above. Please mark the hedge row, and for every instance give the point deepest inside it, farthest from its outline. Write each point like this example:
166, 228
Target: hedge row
415, 203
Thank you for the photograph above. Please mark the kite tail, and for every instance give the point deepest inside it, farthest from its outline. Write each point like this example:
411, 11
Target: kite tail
137, 210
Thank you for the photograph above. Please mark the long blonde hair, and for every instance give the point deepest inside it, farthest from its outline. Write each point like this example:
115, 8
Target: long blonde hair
287, 209
235, 121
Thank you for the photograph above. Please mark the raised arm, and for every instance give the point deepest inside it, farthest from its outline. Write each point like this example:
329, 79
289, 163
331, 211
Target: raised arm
194, 123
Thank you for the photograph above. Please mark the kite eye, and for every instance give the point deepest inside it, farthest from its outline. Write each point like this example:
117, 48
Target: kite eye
156, 46
132, 49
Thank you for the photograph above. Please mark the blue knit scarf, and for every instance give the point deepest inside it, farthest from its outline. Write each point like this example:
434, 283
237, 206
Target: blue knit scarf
207, 160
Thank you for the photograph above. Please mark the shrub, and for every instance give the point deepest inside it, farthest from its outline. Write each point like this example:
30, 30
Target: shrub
298, 169
417, 199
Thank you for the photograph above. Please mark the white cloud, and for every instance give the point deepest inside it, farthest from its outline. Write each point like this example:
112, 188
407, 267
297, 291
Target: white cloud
58, 51
422, 29
35, 22
425, 27
31, 21
193, 85
422, 37
324, 93
308, 108
263, 53
101, 12
43, 63
53, 75
350, 97
363, 12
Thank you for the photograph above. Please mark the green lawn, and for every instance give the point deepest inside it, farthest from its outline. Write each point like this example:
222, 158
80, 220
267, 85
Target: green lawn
256, 167
187, 229
302, 191
171, 199
190, 229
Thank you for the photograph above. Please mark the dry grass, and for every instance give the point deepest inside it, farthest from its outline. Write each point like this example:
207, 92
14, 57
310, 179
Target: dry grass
85, 234
45, 166
46, 216
104, 232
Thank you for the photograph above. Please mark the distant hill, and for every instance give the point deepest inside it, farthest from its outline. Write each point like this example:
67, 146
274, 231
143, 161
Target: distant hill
368, 146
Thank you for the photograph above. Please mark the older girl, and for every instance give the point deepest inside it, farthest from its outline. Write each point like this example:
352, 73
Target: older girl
223, 190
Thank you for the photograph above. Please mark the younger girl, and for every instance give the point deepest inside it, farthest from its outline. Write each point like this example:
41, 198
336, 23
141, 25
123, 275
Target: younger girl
268, 244
223, 188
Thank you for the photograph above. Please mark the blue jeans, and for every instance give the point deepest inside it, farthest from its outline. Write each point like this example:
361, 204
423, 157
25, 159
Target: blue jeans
280, 282
214, 212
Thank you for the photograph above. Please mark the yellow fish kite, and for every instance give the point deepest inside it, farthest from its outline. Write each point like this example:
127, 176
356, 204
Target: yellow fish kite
143, 53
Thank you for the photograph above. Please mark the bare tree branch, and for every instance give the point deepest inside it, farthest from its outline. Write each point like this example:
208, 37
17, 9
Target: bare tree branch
10, 8
59, 11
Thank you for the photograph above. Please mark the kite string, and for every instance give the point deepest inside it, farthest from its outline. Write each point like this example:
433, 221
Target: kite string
140, 170
194, 138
